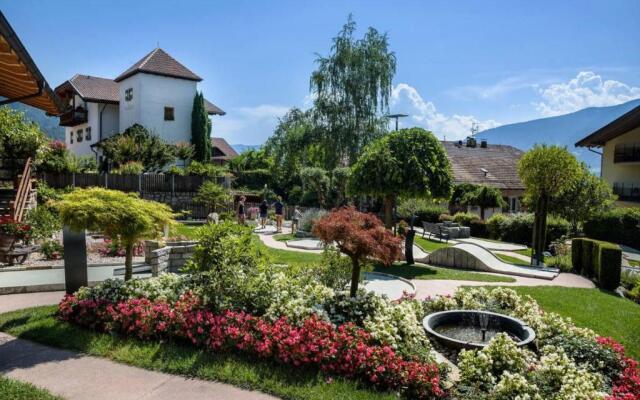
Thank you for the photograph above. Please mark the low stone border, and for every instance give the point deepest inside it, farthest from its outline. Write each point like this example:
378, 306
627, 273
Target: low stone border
294, 245
171, 257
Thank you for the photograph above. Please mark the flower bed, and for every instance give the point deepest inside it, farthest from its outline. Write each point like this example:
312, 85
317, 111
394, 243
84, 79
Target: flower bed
346, 350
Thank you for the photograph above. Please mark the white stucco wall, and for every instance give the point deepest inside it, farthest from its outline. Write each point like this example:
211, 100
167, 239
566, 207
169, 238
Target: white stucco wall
110, 120
82, 148
627, 172
151, 94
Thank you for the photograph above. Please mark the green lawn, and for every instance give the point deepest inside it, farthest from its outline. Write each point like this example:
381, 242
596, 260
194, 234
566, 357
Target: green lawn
605, 313
284, 237
185, 230
511, 259
528, 252
289, 257
429, 245
11, 389
634, 263
40, 325
427, 272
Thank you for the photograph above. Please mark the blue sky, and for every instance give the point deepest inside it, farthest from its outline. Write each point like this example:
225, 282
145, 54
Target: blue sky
459, 62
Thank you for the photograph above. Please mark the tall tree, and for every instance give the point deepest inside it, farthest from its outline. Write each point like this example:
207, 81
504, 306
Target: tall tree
200, 130
484, 197
546, 171
586, 196
352, 87
408, 163
316, 180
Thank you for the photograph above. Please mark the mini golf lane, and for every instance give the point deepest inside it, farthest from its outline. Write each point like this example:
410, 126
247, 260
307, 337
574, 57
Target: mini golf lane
475, 257
384, 284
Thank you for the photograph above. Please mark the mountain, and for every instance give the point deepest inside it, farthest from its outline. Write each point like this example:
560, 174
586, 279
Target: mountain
241, 148
49, 125
563, 130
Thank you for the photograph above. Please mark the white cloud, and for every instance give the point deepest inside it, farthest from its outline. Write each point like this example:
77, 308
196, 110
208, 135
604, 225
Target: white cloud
587, 89
248, 125
405, 98
496, 90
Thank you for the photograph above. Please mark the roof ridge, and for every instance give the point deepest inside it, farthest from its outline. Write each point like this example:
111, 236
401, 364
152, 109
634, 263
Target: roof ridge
148, 57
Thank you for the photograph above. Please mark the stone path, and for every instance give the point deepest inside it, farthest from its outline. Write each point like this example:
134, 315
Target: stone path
12, 302
76, 376
491, 245
388, 285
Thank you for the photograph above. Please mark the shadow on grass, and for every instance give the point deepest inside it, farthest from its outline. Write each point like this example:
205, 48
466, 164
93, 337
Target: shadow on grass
408, 271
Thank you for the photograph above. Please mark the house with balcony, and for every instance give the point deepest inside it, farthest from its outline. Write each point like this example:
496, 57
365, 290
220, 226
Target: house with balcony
619, 145
156, 92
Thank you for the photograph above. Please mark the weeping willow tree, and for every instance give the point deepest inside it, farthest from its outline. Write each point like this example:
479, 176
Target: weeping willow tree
352, 87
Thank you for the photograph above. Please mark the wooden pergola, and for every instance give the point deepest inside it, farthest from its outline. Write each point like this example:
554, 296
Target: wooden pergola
20, 78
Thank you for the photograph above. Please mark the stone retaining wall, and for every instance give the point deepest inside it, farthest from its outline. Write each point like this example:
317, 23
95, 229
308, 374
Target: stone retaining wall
168, 258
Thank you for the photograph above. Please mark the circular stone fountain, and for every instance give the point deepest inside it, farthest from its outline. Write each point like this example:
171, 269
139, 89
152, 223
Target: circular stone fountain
471, 329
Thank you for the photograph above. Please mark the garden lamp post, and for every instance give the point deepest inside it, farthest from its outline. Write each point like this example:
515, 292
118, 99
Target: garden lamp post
396, 117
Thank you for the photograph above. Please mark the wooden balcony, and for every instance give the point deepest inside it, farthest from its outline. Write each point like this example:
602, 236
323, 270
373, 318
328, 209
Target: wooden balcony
74, 117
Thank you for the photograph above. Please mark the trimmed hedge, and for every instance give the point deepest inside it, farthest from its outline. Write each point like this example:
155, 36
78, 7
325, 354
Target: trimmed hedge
465, 218
619, 225
479, 228
597, 260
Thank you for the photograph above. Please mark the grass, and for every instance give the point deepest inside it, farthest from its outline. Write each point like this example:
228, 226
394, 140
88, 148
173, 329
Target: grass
189, 231
40, 325
427, 272
604, 312
11, 389
511, 259
634, 263
289, 257
284, 237
528, 252
429, 245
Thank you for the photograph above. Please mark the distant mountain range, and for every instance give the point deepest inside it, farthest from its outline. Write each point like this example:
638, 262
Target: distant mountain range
49, 125
562, 130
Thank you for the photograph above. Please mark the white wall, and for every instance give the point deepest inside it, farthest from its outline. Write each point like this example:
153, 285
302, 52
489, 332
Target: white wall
151, 94
82, 148
110, 120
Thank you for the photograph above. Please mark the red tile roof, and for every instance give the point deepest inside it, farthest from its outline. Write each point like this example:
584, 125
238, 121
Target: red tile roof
91, 88
499, 161
212, 109
158, 62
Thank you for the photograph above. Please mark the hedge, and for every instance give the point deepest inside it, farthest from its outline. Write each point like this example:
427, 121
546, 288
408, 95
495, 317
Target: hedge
479, 228
619, 225
518, 228
597, 260
465, 218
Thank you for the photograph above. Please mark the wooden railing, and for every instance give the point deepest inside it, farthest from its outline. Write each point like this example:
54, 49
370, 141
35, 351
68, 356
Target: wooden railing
24, 190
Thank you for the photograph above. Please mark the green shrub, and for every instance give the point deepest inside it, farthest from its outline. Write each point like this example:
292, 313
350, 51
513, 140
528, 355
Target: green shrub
129, 168
479, 228
587, 257
576, 255
424, 209
253, 179
619, 225
609, 266
52, 250
465, 218
562, 262
518, 228
44, 222
445, 218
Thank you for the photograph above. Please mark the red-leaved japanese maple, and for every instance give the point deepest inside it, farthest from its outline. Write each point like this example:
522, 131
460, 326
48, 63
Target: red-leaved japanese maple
360, 236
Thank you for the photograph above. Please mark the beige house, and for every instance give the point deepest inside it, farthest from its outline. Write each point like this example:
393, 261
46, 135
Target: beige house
620, 161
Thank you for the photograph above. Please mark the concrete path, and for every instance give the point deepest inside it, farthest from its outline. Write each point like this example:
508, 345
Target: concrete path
389, 285
491, 245
305, 244
13, 302
426, 288
75, 376
267, 238
476, 257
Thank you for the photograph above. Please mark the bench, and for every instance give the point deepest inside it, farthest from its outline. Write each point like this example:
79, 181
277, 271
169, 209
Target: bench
434, 230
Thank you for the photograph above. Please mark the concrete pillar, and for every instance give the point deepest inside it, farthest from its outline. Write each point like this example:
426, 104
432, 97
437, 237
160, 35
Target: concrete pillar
75, 259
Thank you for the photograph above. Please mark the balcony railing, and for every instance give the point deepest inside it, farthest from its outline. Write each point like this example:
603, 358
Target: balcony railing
73, 117
627, 191
627, 153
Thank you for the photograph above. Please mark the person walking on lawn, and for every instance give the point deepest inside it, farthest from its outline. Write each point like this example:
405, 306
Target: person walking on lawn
279, 214
264, 208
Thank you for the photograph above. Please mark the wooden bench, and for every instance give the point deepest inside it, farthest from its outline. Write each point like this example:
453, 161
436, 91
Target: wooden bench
12, 253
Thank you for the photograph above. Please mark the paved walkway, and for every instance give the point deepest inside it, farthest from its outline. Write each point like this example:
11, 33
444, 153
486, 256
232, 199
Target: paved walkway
13, 302
76, 376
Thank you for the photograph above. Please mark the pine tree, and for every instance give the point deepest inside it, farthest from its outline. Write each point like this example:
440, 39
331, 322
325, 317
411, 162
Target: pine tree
200, 130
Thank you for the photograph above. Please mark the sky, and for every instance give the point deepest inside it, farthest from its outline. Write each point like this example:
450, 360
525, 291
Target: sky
458, 62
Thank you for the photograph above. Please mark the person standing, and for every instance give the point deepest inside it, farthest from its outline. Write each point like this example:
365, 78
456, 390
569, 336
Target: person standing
241, 210
295, 221
279, 207
264, 208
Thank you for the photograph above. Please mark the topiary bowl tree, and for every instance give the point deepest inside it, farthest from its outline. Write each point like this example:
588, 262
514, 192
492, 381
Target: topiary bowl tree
117, 214
360, 236
407, 163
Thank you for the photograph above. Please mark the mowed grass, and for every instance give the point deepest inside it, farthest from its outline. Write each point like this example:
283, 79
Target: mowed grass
40, 325
429, 245
604, 312
511, 260
11, 389
427, 272
189, 231
284, 237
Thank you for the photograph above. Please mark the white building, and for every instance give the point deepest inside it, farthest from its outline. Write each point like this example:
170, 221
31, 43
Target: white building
157, 92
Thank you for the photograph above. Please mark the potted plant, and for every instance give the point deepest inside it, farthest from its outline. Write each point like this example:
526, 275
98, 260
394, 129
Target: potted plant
12, 230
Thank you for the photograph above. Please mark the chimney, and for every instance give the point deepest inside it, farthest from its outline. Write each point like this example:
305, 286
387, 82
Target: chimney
483, 143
